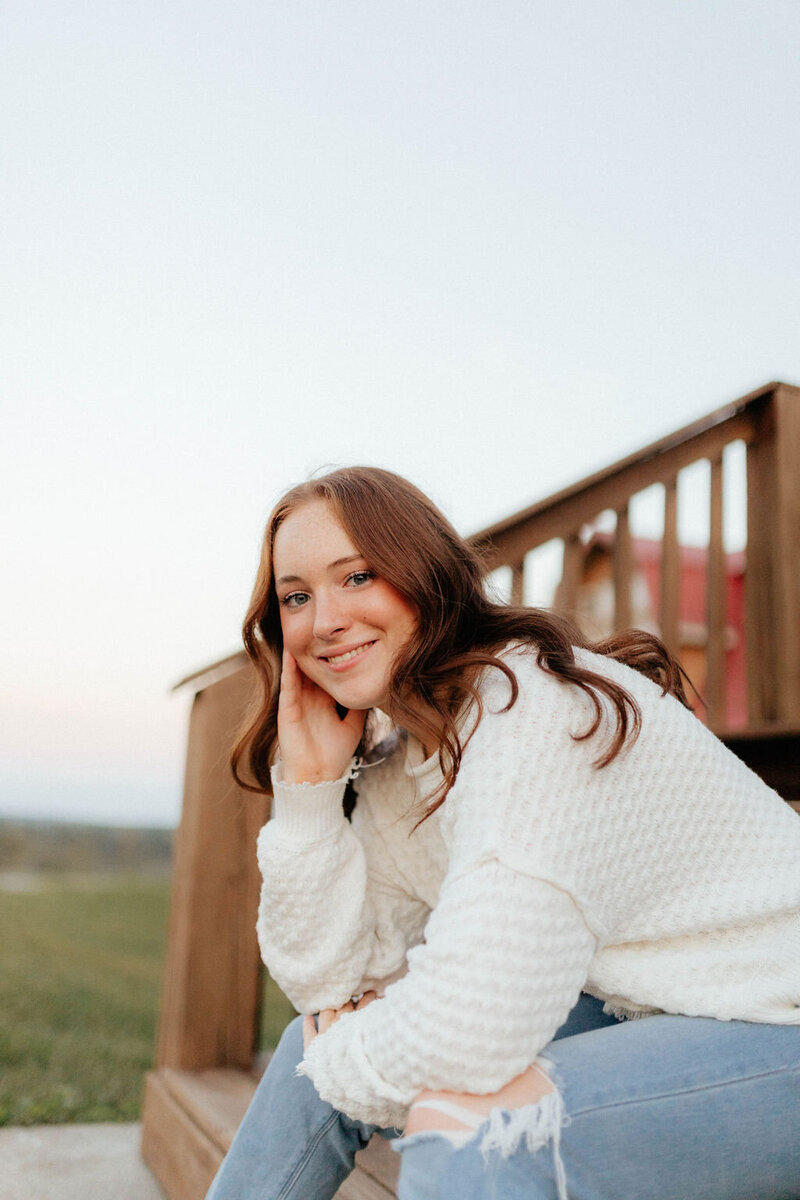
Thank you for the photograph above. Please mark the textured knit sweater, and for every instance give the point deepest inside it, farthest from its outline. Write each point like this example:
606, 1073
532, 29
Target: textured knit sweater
667, 881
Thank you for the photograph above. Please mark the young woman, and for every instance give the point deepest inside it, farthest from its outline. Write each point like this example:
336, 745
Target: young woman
492, 847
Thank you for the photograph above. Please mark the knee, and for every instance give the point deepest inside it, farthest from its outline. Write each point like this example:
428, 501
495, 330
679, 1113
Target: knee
530, 1087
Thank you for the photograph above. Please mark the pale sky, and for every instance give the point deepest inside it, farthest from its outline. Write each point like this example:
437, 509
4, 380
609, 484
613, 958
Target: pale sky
492, 246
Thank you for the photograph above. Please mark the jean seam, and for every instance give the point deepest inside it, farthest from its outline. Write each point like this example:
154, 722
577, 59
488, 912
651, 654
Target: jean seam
310, 1147
688, 1091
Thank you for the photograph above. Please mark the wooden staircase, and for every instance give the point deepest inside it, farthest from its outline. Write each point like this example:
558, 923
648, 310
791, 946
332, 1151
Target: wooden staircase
204, 1077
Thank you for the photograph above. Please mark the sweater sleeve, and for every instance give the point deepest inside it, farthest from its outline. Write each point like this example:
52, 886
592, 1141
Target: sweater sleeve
503, 963
333, 918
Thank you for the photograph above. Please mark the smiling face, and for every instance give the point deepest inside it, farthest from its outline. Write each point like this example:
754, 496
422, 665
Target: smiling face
343, 624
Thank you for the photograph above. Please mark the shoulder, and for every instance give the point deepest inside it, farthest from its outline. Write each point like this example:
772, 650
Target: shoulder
524, 709
552, 711
532, 683
522, 661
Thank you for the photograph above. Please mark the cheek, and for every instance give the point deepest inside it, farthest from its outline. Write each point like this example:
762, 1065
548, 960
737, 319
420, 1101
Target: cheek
294, 638
406, 621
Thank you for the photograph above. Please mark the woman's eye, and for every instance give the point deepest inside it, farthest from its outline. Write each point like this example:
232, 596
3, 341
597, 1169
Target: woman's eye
360, 577
294, 600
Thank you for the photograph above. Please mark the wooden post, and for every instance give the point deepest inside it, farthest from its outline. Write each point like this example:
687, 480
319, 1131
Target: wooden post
716, 603
571, 575
772, 580
623, 570
212, 979
518, 583
670, 568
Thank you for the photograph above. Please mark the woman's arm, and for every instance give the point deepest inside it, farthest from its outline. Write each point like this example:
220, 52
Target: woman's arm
334, 920
503, 962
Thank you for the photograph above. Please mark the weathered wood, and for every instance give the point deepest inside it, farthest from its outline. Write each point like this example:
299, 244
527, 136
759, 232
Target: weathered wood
190, 1119
571, 575
559, 515
772, 580
215, 1100
182, 1157
360, 1186
716, 602
670, 568
518, 582
212, 977
623, 571
381, 1163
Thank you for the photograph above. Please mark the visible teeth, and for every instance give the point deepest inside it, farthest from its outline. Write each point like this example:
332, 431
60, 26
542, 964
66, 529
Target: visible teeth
337, 658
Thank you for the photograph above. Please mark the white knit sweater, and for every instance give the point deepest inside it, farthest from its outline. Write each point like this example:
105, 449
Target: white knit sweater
666, 881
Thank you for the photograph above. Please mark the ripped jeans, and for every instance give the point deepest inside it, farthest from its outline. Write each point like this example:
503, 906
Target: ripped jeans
668, 1108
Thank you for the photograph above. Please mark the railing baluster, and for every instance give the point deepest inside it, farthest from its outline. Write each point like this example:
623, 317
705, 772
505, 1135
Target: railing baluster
623, 571
716, 603
571, 579
772, 580
518, 582
670, 568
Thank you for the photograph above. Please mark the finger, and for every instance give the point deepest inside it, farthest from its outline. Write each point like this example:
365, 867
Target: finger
309, 1031
326, 1018
289, 681
366, 999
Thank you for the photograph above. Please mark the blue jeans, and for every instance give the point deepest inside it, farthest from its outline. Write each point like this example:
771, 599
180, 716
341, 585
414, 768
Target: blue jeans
668, 1108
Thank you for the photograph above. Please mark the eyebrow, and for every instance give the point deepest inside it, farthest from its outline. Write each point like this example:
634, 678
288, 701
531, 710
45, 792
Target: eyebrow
339, 562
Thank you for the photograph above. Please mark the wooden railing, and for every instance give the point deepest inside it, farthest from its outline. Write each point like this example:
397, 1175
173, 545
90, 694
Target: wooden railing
768, 422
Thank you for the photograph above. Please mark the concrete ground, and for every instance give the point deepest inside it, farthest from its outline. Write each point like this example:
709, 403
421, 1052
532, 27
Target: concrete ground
74, 1162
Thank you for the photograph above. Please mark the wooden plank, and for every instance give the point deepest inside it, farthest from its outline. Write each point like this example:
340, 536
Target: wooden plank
381, 1163
716, 602
567, 594
557, 515
772, 579
518, 582
215, 1100
212, 975
786, 637
623, 571
181, 1156
376, 1173
360, 1187
670, 568
190, 1119
758, 582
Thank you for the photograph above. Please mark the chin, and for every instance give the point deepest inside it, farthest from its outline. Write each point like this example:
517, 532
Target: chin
360, 699
358, 703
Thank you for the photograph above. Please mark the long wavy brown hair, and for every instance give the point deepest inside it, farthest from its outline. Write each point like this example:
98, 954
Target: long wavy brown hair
460, 631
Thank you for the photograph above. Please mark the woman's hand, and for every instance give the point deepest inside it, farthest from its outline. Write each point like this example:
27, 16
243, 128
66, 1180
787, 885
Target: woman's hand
528, 1088
329, 1016
316, 744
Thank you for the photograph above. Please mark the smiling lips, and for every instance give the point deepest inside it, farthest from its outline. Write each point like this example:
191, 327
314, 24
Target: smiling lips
347, 656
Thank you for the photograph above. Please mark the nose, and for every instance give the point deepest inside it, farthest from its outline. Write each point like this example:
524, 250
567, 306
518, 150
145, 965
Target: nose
330, 614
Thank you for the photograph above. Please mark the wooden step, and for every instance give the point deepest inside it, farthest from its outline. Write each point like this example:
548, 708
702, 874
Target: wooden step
190, 1118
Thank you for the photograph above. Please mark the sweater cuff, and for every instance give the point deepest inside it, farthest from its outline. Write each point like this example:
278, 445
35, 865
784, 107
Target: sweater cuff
307, 812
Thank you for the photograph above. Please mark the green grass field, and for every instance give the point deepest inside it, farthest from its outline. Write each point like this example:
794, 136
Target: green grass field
80, 982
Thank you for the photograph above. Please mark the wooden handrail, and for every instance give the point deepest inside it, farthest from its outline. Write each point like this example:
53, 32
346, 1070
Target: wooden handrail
768, 422
563, 512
